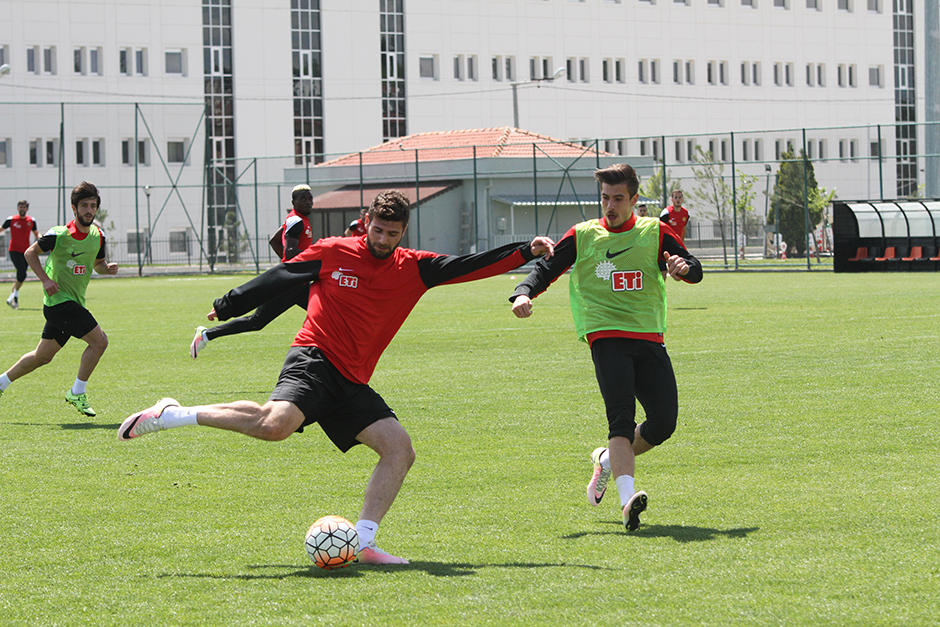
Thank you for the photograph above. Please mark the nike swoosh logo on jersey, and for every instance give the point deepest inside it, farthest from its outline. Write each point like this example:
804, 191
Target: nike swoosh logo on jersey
76, 254
346, 270
612, 255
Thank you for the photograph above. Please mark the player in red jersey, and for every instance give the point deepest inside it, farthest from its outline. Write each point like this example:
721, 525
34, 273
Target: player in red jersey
363, 290
20, 226
675, 215
358, 226
295, 237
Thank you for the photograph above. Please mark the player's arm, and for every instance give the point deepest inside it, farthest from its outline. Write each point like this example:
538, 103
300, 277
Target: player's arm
443, 269
545, 273
679, 262
277, 242
101, 262
6, 224
292, 239
279, 279
45, 244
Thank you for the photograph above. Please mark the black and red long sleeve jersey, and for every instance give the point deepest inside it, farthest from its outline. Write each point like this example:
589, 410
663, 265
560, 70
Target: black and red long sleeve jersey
357, 302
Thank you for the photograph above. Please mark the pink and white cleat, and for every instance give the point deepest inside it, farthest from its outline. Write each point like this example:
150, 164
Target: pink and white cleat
374, 555
144, 422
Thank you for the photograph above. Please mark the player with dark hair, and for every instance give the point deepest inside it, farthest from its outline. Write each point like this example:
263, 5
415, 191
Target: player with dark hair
74, 249
363, 290
295, 237
20, 226
675, 215
618, 302
357, 227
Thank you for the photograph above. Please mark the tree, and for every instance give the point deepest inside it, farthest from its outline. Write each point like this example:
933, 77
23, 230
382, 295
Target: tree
654, 185
714, 192
792, 201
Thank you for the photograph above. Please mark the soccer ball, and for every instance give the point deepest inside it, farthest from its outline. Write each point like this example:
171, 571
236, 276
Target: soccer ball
332, 542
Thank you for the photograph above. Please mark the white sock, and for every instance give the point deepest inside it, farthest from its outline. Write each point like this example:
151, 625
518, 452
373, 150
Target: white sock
4, 381
174, 416
605, 459
205, 334
366, 530
16, 293
625, 488
79, 387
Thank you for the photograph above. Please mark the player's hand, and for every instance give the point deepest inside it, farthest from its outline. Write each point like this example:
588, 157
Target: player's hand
542, 246
522, 306
212, 315
50, 287
112, 268
676, 266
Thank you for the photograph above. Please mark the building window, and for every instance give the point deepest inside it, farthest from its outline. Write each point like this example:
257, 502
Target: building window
140, 61
124, 66
5, 160
176, 151
97, 152
820, 74
426, 67
510, 68
654, 71
472, 68
78, 56
52, 152
711, 73
584, 66
745, 73
127, 154
874, 6
641, 71
94, 61
844, 5
810, 74
749, 4
497, 68
31, 53
458, 67
813, 5
781, 4
179, 241
175, 64
874, 76
34, 152
606, 74
392, 46
875, 149
677, 72
643, 148
48, 60
618, 71
80, 149
788, 74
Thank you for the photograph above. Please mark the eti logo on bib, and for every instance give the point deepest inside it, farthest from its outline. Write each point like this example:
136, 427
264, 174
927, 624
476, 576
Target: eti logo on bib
76, 268
620, 280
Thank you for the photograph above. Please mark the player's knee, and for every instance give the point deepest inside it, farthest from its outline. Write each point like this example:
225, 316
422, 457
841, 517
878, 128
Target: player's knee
655, 432
43, 358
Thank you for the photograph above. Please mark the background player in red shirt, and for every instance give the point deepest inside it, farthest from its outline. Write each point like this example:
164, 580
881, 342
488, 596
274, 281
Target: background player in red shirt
363, 290
358, 226
20, 226
675, 215
295, 237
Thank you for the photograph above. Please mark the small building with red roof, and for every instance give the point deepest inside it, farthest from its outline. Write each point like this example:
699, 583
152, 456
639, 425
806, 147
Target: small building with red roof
470, 189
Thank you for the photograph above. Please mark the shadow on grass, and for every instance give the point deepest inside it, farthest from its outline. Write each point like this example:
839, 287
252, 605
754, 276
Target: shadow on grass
70, 426
679, 533
437, 569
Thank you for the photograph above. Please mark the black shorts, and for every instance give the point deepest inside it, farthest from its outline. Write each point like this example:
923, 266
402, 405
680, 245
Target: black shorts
341, 407
65, 320
19, 262
631, 370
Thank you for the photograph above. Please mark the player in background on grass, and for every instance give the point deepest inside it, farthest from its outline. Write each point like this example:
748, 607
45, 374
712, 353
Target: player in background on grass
295, 237
74, 249
20, 226
618, 302
675, 215
363, 290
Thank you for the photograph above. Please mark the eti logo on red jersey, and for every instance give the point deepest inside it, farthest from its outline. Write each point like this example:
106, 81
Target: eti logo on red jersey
345, 280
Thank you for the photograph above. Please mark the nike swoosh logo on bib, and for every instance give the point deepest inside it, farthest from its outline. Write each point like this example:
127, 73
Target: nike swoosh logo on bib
612, 255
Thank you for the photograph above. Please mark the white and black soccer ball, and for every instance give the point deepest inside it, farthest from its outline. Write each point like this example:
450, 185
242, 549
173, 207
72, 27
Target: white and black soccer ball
332, 542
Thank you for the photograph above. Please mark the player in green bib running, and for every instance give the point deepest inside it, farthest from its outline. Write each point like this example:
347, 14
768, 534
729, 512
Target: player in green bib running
74, 249
618, 301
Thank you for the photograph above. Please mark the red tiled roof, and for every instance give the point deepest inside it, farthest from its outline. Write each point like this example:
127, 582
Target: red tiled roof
348, 197
505, 141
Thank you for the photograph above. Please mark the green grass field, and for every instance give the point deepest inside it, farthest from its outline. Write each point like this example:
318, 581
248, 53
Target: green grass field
801, 487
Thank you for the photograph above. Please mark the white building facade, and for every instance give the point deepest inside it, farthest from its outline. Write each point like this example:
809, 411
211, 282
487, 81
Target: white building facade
177, 94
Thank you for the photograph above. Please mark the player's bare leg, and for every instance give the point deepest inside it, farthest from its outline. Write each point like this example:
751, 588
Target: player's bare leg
396, 455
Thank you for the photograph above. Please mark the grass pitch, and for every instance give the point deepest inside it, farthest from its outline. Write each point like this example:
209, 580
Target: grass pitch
801, 487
